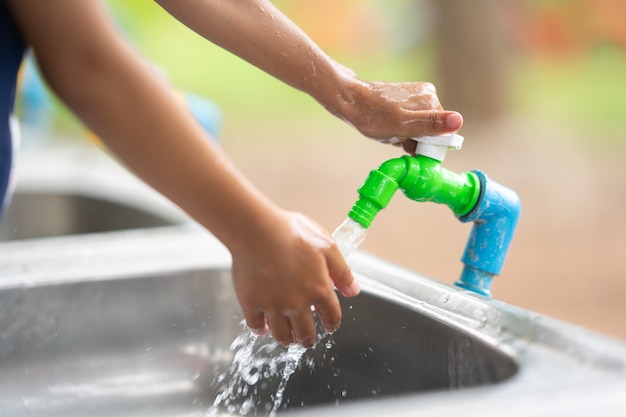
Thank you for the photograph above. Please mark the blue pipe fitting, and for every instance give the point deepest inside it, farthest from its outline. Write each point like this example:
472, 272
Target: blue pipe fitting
495, 217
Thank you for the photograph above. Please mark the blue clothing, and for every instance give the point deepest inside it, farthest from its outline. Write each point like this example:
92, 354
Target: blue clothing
12, 48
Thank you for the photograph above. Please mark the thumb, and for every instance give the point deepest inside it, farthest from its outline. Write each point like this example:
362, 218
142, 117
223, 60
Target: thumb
431, 123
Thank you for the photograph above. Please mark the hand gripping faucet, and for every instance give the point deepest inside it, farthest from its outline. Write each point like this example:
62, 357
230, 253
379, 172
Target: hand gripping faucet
472, 196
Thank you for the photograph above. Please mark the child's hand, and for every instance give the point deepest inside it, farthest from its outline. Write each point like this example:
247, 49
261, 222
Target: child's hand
388, 112
393, 112
283, 274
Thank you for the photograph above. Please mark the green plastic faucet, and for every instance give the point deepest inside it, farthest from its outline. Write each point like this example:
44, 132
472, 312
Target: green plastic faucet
421, 178
493, 208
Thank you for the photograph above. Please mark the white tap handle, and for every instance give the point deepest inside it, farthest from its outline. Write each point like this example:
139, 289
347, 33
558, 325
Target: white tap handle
436, 146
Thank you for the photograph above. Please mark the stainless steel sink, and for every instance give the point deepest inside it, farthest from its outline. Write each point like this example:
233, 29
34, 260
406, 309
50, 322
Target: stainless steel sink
44, 214
121, 346
140, 321
115, 347
80, 191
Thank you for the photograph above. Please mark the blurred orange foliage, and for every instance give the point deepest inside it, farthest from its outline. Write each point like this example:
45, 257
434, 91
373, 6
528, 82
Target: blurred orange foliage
339, 25
566, 27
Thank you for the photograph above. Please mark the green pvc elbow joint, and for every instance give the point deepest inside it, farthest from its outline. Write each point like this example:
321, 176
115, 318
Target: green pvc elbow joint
377, 191
422, 179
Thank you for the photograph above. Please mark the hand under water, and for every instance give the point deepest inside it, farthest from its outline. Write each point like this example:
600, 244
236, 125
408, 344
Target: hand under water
283, 275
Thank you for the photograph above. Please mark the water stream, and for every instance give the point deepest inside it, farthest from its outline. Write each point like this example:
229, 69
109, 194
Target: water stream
255, 381
349, 235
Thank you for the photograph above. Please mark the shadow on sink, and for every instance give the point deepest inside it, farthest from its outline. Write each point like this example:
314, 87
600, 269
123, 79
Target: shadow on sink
45, 214
154, 344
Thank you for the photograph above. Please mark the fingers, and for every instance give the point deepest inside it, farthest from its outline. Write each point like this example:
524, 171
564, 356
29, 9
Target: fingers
430, 123
256, 322
329, 313
409, 146
441, 122
415, 124
341, 275
303, 326
297, 326
328, 308
425, 123
280, 328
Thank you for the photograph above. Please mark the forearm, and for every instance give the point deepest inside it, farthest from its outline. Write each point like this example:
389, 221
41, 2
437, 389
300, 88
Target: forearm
162, 144
137, 116
260, 34
256, 31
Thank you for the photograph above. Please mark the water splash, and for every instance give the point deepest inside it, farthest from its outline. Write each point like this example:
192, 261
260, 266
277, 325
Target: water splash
349, 235
256, 379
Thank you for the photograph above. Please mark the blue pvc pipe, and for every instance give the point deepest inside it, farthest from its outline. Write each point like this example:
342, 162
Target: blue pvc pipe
495, 217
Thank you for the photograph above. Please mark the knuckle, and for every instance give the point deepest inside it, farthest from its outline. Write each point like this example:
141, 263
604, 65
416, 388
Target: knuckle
434, 121
429, 87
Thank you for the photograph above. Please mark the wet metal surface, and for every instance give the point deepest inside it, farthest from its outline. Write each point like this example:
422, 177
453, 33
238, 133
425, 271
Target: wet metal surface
117, 346
39, 214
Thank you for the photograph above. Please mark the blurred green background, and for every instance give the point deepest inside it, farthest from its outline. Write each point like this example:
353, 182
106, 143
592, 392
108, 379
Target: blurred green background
561, 60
